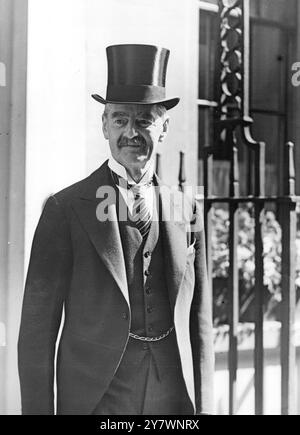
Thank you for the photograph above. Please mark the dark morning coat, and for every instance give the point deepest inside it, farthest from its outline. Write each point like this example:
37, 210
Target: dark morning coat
77, 263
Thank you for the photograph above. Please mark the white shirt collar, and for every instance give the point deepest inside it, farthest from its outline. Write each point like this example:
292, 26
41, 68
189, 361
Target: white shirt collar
121, 171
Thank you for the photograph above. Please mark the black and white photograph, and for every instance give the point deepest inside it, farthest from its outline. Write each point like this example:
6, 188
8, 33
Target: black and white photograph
149, 210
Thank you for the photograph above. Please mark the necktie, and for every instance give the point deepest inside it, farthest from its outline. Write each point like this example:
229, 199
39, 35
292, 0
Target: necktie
140, 215
140, 212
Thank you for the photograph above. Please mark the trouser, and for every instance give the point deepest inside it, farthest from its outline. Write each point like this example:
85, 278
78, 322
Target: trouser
148, 381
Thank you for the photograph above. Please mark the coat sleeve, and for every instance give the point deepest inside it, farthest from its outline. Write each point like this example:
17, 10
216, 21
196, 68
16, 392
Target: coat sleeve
47, 281
201, 326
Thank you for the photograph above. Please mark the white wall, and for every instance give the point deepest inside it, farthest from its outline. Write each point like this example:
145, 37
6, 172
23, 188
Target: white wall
5, 58
56, 102
13, 47
16, 213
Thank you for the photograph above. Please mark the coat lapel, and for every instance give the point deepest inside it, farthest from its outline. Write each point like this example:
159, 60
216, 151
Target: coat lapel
174, 239
174, 230
104, 235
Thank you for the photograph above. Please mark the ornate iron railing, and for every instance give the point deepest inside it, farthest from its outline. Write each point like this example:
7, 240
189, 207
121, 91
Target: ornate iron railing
232, 116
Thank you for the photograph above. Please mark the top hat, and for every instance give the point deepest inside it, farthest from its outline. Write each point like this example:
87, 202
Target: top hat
137, 75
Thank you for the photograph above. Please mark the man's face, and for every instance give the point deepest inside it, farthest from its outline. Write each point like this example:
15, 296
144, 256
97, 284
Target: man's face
134, 132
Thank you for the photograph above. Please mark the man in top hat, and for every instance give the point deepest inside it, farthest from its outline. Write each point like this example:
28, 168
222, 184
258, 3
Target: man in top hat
131, 278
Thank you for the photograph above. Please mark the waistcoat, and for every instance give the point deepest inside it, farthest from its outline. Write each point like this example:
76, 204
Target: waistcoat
147, 286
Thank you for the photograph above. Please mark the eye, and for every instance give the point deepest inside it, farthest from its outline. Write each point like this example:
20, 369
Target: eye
144, 123
119, 122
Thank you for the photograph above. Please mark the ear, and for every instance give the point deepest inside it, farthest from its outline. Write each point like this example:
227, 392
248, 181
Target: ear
104, 126
165, 129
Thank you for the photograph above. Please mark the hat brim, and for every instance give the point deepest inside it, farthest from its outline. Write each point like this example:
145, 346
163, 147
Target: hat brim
168, 103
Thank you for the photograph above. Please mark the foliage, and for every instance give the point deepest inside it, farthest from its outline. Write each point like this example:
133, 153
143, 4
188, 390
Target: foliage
271, 235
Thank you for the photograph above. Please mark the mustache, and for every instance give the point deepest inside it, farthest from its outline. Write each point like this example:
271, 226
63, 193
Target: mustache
136, 141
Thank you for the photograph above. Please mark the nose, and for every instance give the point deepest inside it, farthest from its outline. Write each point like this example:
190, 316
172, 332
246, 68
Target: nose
130, 131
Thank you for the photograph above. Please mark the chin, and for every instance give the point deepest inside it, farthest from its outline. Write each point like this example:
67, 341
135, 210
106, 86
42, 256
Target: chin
138, 163
137, 159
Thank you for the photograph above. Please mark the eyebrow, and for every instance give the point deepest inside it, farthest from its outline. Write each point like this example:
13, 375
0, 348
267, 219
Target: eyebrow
119, 114
145, 115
